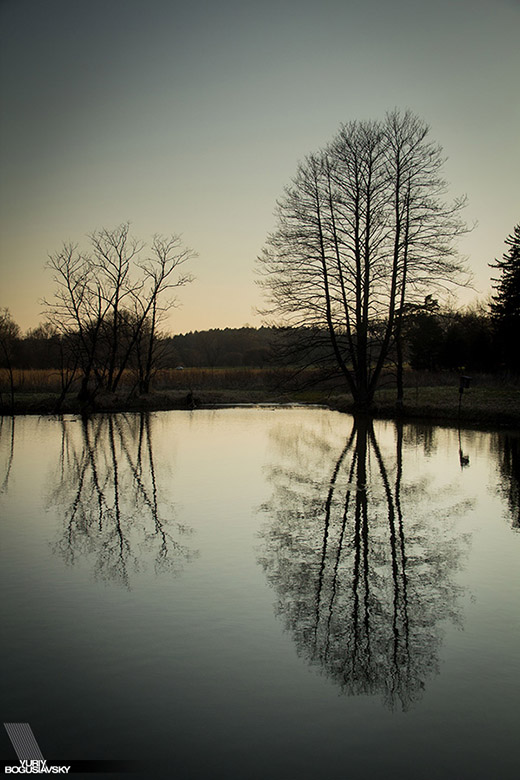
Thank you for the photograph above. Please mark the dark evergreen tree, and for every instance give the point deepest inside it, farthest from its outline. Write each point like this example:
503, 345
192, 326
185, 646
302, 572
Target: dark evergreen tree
505, 305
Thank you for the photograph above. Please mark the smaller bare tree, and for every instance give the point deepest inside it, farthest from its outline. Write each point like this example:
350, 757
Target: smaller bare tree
109, 301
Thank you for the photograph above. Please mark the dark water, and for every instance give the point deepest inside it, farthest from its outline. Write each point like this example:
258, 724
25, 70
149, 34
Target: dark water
259, 593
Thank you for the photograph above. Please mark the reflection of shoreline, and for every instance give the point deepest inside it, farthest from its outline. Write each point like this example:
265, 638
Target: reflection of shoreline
108, 495
364, 580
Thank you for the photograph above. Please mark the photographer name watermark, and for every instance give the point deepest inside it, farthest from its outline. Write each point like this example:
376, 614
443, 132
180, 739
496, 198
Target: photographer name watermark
36, 767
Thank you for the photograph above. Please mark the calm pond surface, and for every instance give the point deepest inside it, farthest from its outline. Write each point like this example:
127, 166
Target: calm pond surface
262, 593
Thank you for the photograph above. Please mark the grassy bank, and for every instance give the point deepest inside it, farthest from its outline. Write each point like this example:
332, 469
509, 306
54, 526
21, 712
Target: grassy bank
488, 402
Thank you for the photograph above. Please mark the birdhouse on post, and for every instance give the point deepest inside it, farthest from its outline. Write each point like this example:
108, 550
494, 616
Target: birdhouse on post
464, 383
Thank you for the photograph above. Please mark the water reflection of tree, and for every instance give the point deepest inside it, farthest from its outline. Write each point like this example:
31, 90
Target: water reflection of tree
362, 565
108, 493
508, 449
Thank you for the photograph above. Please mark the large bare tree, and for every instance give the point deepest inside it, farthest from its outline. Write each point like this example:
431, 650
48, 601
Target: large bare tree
363, 232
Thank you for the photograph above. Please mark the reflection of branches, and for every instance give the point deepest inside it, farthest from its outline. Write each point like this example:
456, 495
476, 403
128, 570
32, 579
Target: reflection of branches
10, 433
109, 496
363, 579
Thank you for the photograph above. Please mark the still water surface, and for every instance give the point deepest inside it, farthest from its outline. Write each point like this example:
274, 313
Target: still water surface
262, 593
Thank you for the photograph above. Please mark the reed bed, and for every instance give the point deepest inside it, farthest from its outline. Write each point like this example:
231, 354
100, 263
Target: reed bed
42, 380
31, 380
187, 379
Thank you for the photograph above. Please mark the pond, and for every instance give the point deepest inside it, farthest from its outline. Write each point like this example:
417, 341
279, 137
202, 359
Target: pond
261, 593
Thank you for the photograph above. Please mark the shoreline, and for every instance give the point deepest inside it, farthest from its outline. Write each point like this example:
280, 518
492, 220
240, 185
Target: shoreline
481, 407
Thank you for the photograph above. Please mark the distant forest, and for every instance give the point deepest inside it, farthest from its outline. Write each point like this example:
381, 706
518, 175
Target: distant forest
434, 340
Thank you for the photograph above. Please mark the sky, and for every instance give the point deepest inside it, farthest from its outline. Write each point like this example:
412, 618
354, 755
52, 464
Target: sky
190, 118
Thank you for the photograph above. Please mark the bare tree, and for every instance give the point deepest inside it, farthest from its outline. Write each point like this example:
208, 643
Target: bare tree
77, 310
168, 254
109, 300
363, 231
111, 260
9, 335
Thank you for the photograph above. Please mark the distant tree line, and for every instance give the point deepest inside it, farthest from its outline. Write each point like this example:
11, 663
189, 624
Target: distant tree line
435, 339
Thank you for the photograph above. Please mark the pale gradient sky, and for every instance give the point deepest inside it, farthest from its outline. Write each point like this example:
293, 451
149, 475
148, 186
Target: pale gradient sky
190, 118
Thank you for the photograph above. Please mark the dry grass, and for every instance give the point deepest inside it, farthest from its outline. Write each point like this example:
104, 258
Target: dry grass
34, 380
49, 380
